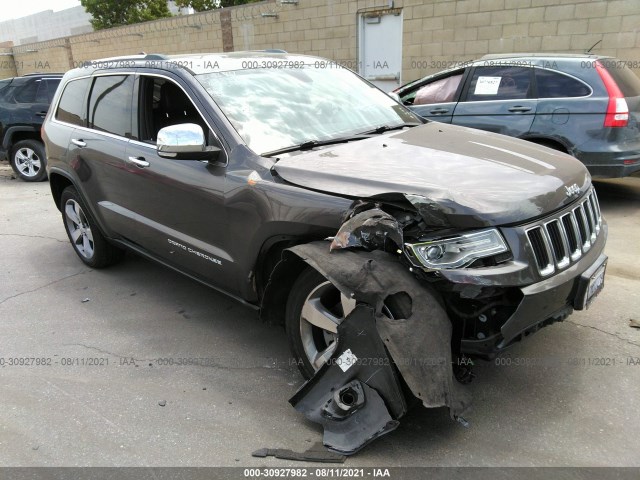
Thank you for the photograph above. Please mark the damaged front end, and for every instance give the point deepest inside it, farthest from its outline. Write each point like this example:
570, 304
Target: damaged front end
357, 395
426, 297
396, 341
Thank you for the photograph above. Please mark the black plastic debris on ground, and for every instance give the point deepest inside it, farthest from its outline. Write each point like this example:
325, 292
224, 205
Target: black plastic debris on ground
317, 453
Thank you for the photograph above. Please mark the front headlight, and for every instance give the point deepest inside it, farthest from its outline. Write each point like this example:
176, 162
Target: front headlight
459, 251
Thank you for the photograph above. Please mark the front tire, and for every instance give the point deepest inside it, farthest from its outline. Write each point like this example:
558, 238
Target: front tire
85, 236
314, 310
28, 160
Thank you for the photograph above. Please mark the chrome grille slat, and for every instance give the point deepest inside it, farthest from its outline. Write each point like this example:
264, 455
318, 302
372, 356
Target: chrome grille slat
561, 240
596, 212
542, 250
585, 234
590, 219
573, 235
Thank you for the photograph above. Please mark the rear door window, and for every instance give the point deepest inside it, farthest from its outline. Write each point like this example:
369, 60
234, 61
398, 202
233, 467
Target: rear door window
70, 108
552, 84
27, 94
499, 83
110, 104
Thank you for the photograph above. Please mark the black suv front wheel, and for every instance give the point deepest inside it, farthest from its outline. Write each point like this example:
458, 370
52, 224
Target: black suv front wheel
84, 234
28, 160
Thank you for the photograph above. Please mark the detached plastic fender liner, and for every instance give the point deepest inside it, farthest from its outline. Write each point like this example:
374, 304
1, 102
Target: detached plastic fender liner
356, 396
420, 345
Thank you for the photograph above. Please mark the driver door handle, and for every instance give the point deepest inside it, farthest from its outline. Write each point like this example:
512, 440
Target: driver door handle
519, 108
139, 161
439, 110
78, 142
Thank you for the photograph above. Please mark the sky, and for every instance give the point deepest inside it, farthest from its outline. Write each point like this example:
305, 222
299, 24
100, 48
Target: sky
21, 8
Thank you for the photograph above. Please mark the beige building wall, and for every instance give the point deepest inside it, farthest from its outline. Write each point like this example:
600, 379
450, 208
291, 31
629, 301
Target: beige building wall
7, 63
436, 33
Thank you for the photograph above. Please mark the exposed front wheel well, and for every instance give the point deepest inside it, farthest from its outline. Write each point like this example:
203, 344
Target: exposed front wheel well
279, 280
270, 256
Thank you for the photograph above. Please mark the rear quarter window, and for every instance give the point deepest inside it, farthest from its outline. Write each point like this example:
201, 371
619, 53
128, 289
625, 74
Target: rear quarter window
552, 84
70, 107
4, 87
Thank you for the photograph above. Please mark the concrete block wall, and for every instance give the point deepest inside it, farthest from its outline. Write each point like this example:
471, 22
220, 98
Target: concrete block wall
436, 33
52, 56
7, 63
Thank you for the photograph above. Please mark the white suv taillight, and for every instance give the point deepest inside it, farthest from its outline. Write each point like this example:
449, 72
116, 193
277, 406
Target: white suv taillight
617, 111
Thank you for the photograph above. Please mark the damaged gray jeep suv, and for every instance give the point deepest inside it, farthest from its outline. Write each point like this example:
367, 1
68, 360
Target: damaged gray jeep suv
391, 248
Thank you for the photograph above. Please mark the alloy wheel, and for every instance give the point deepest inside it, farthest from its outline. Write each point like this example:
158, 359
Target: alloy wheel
27, 162
79, 228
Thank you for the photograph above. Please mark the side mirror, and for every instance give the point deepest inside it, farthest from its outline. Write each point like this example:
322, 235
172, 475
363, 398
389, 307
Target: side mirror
184, 141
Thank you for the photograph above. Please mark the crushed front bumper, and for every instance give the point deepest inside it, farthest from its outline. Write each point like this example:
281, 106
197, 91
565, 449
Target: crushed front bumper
543, 301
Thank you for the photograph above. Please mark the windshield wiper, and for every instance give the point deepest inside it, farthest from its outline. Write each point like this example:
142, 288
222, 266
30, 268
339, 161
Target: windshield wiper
309, 144
388, 128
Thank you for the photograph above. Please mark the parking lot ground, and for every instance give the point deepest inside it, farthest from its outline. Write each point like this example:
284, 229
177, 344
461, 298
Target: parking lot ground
568, 396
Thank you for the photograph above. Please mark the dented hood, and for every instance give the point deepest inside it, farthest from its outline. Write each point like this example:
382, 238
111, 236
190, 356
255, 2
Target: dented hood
464, 177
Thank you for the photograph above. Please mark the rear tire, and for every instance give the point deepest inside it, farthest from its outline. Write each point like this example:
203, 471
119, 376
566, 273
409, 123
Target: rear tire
83, 232
28, 160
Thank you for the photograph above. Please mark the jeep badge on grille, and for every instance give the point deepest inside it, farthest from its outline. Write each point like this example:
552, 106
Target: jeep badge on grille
572, 190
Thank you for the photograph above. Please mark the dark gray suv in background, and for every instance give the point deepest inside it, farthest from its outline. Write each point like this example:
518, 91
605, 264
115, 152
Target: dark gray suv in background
392, 250
585, 105
24, 102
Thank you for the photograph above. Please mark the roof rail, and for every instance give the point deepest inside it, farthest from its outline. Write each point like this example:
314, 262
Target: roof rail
156, 56
140, 56
33, 74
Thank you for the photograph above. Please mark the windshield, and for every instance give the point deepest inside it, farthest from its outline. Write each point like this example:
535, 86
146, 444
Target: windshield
277, 108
